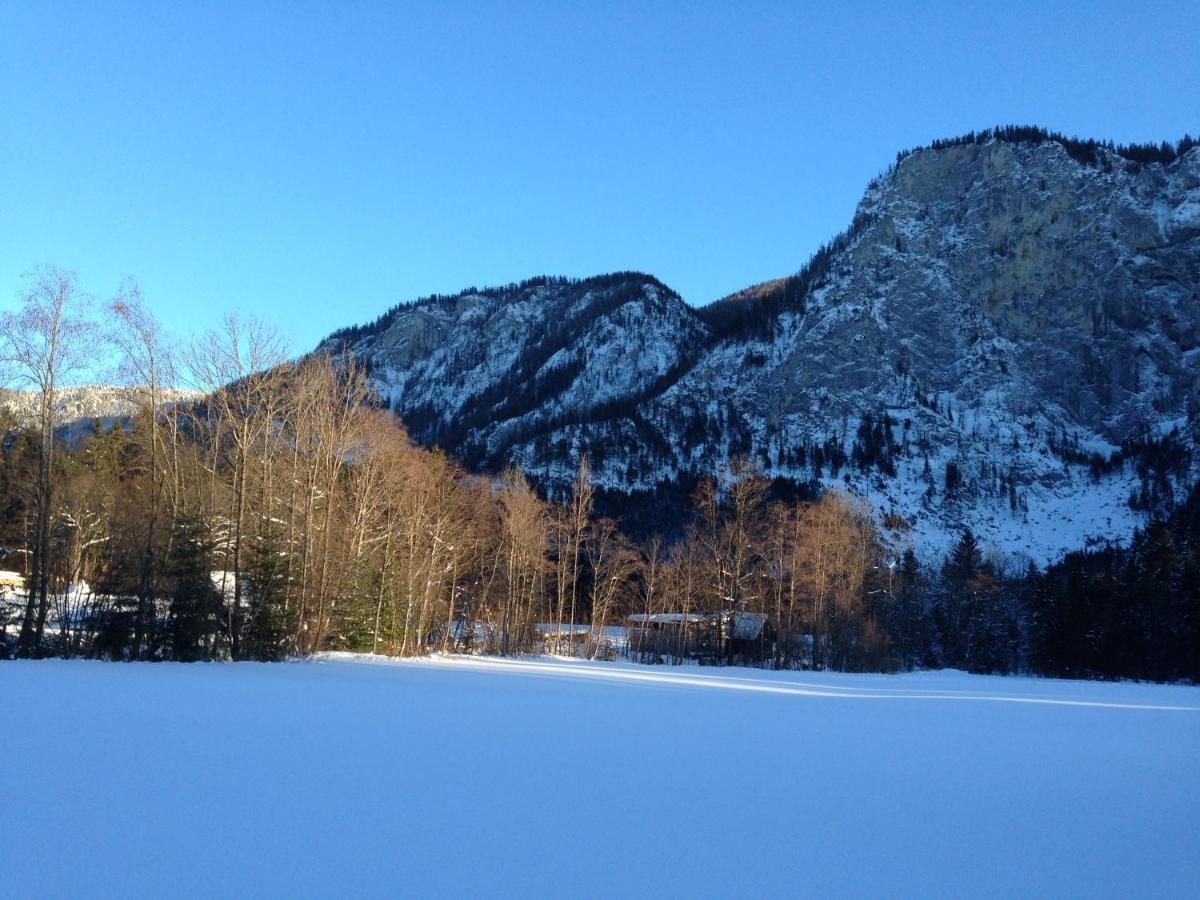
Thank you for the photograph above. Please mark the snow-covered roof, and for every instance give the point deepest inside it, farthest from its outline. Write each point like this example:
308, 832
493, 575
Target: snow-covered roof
746, 626
564, 628
666, 618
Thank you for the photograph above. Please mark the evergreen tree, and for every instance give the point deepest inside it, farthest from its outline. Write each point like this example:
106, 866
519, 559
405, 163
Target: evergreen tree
264, 626
194, 618
951, 607
910, 624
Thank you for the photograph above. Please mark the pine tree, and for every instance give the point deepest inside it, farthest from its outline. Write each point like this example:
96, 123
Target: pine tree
910, 623
952, 608
264, 627
964, 561
194, 620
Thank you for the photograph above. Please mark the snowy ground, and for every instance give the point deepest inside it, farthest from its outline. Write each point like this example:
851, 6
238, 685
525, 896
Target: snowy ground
352, 776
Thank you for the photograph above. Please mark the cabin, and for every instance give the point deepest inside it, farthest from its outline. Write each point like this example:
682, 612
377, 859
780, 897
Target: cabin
728, 635
684, 635
748, 637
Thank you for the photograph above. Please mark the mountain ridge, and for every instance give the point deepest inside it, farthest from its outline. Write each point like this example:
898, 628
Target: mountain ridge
1010, 319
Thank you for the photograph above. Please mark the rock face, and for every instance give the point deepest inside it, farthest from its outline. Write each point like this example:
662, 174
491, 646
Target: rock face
1008, 337
486, 372
1090, 273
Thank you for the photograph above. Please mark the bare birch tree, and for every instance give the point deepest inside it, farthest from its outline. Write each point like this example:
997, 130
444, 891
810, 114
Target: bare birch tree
47, 343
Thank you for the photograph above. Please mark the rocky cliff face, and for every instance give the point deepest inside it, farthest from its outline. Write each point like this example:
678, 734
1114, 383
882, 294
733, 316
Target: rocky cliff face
487, 371
1008, 337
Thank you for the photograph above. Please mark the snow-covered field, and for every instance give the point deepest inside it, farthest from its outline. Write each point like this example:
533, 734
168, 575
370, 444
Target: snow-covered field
465, 776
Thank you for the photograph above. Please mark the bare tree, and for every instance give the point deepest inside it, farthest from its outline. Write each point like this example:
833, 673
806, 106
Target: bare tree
524, 548
238, 367
45, 344
147, 365
745, 490
612, 561
571, 529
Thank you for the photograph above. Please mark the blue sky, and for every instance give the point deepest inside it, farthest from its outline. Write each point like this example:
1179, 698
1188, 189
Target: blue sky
313, 163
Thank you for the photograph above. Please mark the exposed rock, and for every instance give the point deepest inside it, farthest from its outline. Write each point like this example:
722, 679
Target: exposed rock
1002, 306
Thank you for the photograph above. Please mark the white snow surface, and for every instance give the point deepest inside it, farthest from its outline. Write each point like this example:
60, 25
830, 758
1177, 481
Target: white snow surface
358, 776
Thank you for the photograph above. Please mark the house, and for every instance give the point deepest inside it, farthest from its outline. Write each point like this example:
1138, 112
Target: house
748, 637
728, 635
669, 634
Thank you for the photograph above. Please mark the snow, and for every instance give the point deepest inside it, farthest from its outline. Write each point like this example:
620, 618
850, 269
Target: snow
1187, 214
667, 618
360, 776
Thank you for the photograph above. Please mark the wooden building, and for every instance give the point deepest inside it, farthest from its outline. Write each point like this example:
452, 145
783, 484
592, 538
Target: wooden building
726, 636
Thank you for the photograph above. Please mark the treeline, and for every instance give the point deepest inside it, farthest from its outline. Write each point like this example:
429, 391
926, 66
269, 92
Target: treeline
286, 515
1115, 612
751, 314
1085, 151
344, 337
1125, 612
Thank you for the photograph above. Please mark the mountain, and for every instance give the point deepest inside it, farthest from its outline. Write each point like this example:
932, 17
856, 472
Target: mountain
78, 406
1007, 337
487, 371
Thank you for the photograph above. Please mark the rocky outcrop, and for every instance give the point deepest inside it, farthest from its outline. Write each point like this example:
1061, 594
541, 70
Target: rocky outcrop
1009, 337
486, 371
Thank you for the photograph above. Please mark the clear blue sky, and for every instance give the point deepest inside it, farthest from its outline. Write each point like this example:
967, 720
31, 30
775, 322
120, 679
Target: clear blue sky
314, 163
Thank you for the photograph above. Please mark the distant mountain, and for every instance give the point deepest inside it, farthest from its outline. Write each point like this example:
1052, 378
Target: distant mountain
1007, 337
77, 407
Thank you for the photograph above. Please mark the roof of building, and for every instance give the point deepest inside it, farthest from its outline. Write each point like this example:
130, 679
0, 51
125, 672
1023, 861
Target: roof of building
666, 618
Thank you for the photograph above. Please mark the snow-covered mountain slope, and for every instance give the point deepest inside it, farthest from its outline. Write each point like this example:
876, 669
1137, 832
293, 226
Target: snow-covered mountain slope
1007, 337
486, 371
77, 407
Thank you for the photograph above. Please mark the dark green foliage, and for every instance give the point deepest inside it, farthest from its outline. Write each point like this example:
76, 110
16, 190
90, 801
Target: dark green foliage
909, 622
1125, 612
874, 446
114, 632
975, 616
952, 605
18, 462
194, 615
263, 624
1116, 612
953, 477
